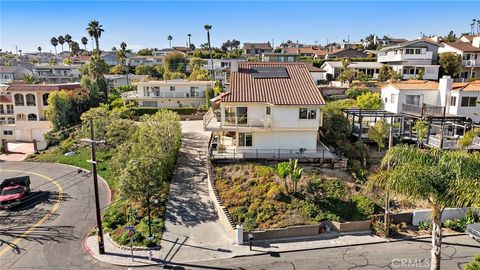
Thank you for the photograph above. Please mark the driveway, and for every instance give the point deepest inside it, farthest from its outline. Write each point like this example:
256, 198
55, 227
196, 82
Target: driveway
47, 230
192, 225
18, 151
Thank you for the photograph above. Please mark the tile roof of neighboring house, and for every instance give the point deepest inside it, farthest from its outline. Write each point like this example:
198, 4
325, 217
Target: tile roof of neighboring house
5, 99
298, 88
467, 87
463, 46
312, 68
406, 43
338, 64
23, 87
261, 46
83, 58
469, 37
415, 85
8, 69
307, 50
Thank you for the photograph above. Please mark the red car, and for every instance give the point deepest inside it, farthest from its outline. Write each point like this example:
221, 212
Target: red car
13, 191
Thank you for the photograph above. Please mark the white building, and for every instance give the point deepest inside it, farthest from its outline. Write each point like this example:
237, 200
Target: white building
169, 94
333, 69
7, 117
149, 60
220, 67
427, 97
409, 58
470, 53
10, 73
29, 104
114, 80
55, 74
272, 110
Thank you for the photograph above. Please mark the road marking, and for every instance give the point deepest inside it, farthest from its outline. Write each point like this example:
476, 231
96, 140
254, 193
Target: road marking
42, 220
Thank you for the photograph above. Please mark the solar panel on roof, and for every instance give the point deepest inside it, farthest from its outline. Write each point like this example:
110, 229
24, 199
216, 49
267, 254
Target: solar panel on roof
269, 72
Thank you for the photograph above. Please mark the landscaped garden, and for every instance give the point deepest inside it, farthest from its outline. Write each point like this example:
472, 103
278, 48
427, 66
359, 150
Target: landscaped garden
281, 195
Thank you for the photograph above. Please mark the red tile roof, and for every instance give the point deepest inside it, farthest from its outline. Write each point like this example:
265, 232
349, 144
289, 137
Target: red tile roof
415, 85
463, 46
307, 50
5, 99
468, 86
23, 87
296, 89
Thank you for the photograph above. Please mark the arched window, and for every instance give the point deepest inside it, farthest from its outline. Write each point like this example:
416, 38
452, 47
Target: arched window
32, 117
45, 99
20, 117
30, 100
19, 101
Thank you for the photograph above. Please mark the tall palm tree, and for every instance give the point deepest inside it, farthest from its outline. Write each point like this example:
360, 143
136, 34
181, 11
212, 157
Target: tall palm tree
85, 42
95, 30
208, 28
75, 47
441, 178
39, 49
170, 40
189, 40
54, 42
123, 46
68, 40
61, 40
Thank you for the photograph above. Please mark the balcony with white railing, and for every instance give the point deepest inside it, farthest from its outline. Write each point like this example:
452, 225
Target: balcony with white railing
134, 95
212, 122
391, 57
470, 63
423, 110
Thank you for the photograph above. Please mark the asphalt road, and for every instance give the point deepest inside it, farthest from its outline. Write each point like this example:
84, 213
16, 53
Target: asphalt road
412, 254
47, 230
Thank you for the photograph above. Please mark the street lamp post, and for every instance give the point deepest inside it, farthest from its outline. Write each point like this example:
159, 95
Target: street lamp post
149, 221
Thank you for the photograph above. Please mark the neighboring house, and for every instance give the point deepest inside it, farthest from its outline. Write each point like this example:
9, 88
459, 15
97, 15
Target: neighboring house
79, 60
470, 53
220, 67
256, 49
110, 58
56, 73
169, 94
467, 38
333, 69
11, 73
345, 53
150, 60
434, 98
271, 110
114, 80
409, 58
318, 74
312, 51
280, 57
7, 117
166, 51
29, 104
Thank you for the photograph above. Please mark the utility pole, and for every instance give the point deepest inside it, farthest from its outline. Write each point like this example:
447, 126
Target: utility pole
387, 199
101, 245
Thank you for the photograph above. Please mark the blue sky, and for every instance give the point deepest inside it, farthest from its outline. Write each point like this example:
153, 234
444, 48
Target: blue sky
147, 24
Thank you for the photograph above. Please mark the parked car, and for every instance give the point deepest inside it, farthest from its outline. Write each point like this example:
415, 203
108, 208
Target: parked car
473, 230
13, 191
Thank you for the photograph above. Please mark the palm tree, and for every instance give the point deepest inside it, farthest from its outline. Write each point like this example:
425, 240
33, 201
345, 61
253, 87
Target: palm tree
170, 40
39, 49
85, 42
123, 46
283, 171
189, 40
75, 47
61, 40
95, 30
68, 40
54, 42
208, 28
441, 178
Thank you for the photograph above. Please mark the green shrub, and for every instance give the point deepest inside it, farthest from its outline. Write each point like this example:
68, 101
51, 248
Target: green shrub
66, 145
358, 172
140, 111
354, 92
474, 264
450, 224
424, 226
365, 206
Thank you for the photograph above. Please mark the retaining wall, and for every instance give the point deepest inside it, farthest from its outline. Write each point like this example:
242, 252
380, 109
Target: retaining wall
352, 226
448, 213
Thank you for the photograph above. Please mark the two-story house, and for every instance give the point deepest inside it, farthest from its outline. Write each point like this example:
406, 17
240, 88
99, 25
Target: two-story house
470, 53
280, 57
7, 117
30, 102
11, 73
271, 110
416, 97
55, 74
149, 60
333, 69
256, 49
169, 94
411, 57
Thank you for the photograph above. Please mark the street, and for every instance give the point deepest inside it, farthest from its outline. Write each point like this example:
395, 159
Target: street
47, 230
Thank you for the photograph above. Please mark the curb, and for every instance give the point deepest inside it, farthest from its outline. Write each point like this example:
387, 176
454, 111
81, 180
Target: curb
136, 248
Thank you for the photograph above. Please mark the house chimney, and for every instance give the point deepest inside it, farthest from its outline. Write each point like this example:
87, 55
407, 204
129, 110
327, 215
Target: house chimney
234, 65
476, 42
445, 86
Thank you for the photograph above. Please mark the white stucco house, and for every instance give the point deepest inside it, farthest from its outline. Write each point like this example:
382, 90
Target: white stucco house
470, 53
271, 110
55, 74
27, 120
409, 58
436, 98
333, 69
169, 94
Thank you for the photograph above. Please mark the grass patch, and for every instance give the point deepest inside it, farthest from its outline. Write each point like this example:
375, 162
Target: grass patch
257, 198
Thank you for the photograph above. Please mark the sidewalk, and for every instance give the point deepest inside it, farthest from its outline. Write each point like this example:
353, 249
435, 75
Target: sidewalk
194, 253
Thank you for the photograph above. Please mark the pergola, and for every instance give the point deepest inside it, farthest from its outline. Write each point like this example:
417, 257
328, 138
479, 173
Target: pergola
358, 115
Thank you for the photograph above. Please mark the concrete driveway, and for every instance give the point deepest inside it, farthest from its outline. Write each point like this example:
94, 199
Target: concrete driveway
18, 151
192, 225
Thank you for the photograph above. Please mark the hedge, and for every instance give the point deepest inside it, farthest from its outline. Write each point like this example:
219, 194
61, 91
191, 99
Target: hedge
139, 111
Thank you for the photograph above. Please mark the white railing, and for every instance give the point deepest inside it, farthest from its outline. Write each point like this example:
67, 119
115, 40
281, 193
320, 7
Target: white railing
391, 57
208, 117
134, 95
470, 63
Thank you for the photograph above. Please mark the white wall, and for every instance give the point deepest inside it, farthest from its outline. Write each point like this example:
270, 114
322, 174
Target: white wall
472, 112
285, 140
284, 117
448, 213
386, 96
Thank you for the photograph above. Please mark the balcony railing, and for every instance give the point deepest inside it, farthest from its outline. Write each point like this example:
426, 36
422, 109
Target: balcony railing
134, 95
390, 57
424, 110
470, 63
211, 122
